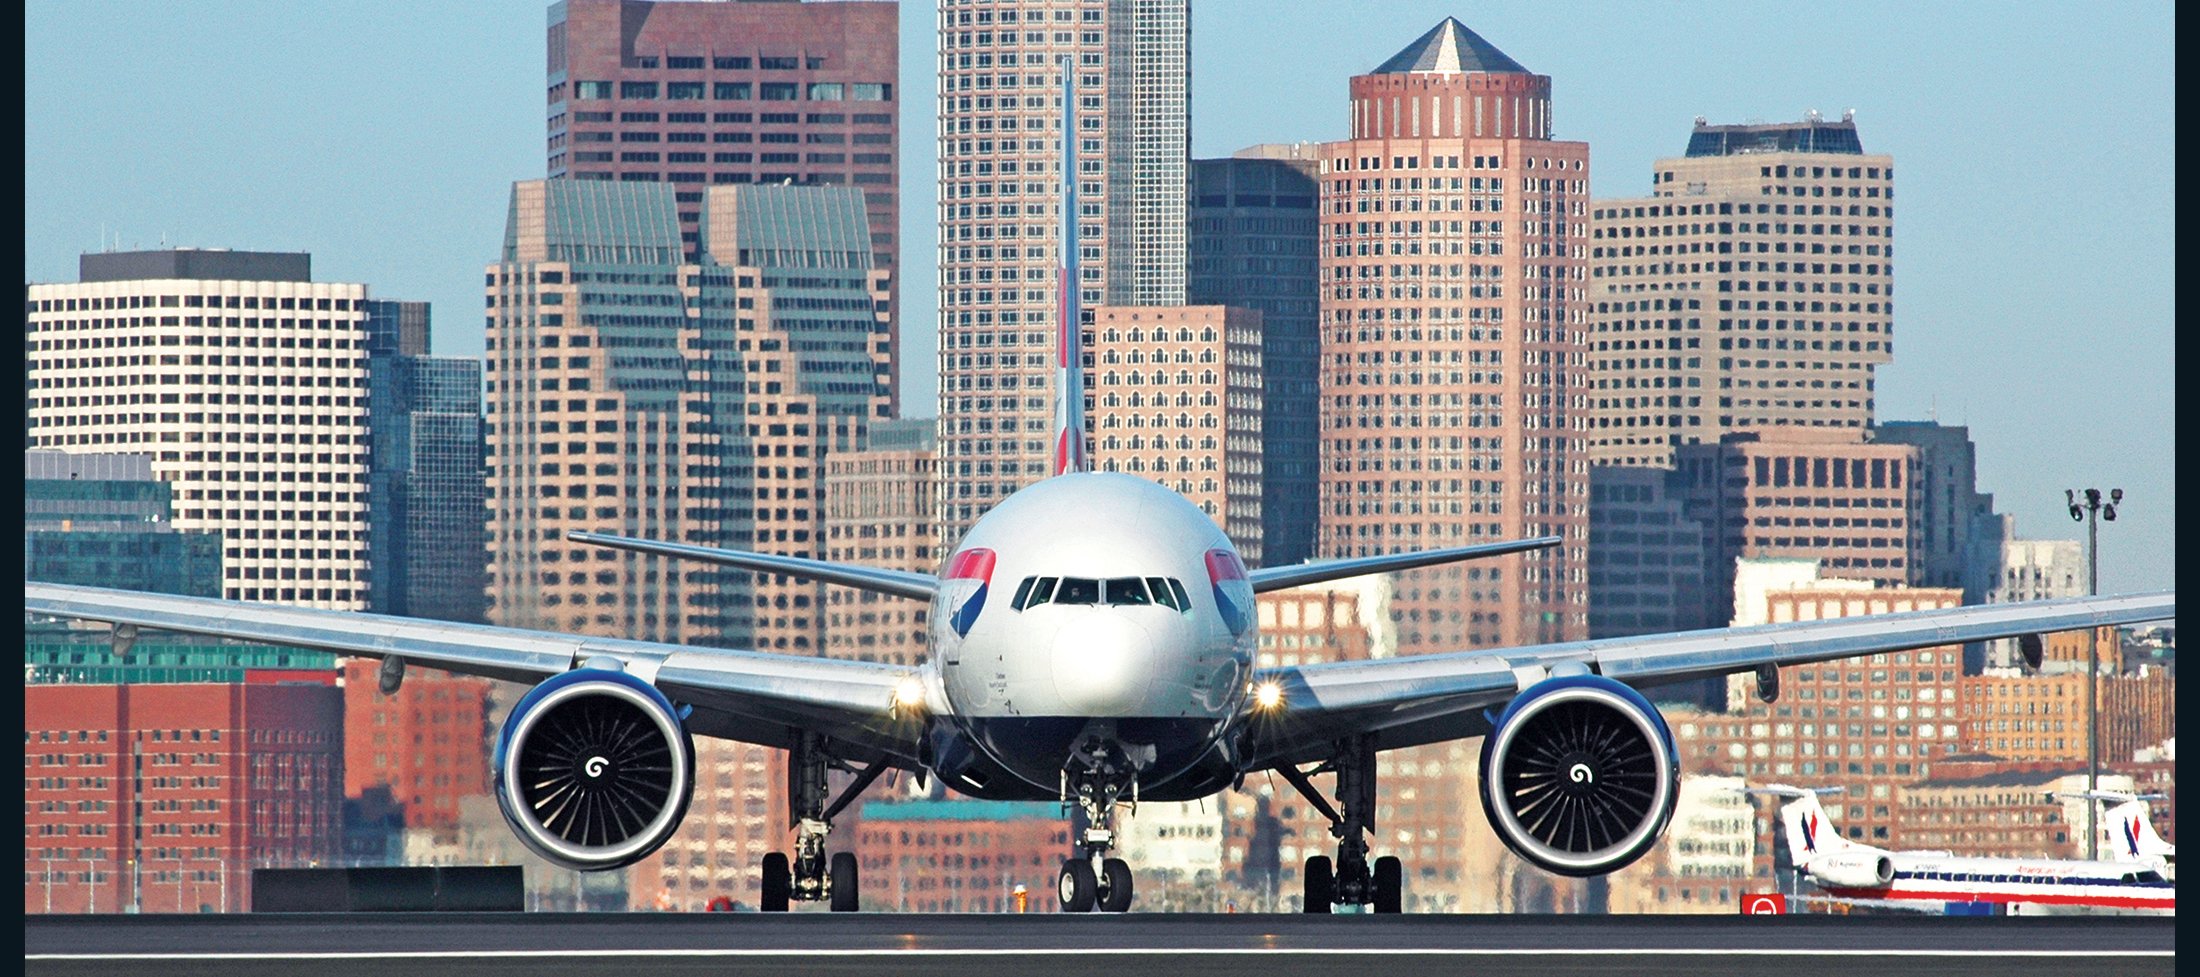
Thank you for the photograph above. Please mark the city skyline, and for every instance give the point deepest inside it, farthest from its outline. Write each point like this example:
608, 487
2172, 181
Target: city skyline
408, 191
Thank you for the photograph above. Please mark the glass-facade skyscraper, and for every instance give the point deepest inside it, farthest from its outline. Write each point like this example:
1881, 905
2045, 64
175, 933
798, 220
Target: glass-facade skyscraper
427, 536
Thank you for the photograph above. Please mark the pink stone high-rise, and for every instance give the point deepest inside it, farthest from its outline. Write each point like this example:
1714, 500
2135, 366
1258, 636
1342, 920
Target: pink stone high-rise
1452, 320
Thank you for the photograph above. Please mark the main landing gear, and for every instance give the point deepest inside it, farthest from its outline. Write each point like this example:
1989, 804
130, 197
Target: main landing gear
1091, 880
1351, 881
810, 876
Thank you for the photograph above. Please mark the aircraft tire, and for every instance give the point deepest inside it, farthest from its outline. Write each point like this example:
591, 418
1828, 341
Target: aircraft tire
845, 895
1116, 886
1321, 884
778, 886
1389, 884
1078, 887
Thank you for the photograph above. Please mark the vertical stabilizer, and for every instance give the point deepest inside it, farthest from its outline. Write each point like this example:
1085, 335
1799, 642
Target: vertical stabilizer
1069, 383
1810, 832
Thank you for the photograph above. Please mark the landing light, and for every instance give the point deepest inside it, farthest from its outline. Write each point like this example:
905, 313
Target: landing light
908, 694
1268, 696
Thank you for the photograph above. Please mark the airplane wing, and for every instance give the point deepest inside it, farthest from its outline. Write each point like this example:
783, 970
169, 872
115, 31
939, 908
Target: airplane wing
755, 697
900, 583
1420, 699
1300, 574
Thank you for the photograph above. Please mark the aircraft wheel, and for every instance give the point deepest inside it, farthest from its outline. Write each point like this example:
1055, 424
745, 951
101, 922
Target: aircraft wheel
1115, 886
843, 877
778, 882
1078, 887
1389, 884
1321, 884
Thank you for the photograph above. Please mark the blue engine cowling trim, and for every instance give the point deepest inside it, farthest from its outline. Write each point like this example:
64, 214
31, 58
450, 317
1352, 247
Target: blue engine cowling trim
1583, 686
583, 675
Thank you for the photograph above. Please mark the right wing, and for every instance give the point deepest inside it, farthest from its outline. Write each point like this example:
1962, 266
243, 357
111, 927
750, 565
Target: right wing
900, 583
1266, 579
751, 696
1416, 699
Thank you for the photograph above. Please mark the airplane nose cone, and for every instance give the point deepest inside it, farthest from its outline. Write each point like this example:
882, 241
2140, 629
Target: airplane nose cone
1103, 666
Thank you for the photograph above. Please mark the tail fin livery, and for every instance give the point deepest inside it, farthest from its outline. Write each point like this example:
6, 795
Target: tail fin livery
1069, 383
2127, 828
1810, 833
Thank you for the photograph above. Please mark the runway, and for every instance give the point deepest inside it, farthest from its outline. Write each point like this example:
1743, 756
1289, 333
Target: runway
533, 944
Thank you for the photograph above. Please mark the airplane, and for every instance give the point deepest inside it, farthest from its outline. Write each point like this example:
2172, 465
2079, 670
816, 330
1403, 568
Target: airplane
2127, 829
1933, 879
1092, 641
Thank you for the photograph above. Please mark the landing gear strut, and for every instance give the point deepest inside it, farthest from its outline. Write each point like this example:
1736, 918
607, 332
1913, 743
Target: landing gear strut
1092, 880
811, 876
1352, 880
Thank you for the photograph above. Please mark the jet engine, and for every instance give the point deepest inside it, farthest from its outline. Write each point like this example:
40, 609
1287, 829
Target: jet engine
593, 769
1579, 775
1853, 870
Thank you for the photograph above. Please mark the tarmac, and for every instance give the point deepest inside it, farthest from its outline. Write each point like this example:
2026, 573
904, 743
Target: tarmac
625, 944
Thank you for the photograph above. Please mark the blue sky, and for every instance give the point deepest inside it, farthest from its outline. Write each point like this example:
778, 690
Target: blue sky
2034, 146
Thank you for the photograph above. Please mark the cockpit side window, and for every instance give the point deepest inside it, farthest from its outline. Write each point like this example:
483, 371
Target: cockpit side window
1077, 590
1162, 595
1033, 592
1127, 592
1183, 600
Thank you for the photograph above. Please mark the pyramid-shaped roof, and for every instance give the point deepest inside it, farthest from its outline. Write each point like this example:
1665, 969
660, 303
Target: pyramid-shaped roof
1450, 47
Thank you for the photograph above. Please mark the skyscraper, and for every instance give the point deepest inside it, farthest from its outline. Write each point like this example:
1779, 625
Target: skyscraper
428, 542
1452, 267
707, 94
1000, 117
1253, 233
102, 520
1176, 396
1754, 287
612, 409
246, 383
878, 512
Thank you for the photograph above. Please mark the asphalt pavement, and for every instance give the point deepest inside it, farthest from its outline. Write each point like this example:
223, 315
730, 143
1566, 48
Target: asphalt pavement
623, 944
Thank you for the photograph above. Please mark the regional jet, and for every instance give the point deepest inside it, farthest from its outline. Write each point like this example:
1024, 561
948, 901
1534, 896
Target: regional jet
2131, 883
1092, 643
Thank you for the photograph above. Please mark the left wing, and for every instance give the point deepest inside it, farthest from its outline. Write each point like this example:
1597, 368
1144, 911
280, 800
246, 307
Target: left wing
900, 583
755, 697
1266, 579
1430, 698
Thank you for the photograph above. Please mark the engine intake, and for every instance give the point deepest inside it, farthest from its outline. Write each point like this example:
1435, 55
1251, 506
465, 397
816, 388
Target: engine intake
1853, 870
1579, 775
593, 769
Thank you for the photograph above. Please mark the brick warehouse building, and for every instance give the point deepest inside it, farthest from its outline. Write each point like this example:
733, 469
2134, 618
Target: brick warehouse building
164, 797
427, 746
960, 855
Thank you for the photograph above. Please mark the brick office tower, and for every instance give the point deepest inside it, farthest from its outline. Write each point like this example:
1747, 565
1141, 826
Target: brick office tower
707, 94
611, 410
878, 512
156, 796
1754, 287
1000, 112
244, 380
1177, 399
415, 754
1452, 264
1253, 233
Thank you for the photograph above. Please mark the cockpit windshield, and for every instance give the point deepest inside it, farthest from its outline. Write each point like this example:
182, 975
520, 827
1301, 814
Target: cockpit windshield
1114, 592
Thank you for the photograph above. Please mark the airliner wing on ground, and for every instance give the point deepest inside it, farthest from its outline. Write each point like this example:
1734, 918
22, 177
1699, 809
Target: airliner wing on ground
1431, 698
755, 697
900, 583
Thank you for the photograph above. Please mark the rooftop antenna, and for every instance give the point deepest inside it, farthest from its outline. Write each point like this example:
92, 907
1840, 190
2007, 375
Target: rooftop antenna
1933, 413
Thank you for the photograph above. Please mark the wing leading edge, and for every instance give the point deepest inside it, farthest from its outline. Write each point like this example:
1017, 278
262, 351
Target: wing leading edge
755, 697
900, 583
1432, 698
1300, 574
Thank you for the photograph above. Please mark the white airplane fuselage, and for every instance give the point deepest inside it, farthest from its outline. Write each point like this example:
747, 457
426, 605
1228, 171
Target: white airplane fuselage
1093, 612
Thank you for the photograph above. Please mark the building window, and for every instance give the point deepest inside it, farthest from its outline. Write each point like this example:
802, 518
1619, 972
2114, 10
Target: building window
870, 92
592, 89
779, 91
684, 91
637, 89
730, 90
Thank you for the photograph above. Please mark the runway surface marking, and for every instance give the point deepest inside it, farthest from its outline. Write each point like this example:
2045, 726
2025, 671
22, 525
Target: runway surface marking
1107, 951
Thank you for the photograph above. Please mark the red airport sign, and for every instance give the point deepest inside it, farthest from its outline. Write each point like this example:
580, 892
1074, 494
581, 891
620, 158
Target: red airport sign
1763, 904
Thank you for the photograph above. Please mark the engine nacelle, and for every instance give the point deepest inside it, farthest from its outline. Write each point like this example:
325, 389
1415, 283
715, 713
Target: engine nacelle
593, 769
1579, 775
1853, 870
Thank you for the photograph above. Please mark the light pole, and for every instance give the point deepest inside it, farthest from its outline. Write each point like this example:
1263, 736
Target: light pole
2090, 510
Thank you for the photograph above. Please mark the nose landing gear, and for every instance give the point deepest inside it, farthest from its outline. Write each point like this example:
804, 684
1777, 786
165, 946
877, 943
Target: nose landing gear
1091, 879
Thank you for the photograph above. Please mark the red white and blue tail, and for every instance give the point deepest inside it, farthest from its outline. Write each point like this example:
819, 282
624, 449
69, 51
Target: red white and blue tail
1810, 833
1069, 383
2127, 827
